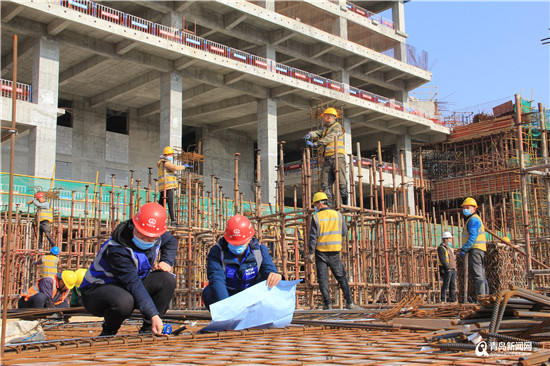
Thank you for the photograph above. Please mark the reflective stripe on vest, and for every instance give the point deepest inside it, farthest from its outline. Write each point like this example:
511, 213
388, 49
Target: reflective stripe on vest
100, 270
49, 265
171, 180
31, 291
329, 148
481, 240
232, 281
44, 214
329, 226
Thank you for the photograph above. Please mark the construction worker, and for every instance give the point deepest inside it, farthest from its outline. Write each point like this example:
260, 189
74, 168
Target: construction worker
447, 267
76, 295
49, 263
49, 292
168, 181
325, 138
44, 217
327, 230
122, 276
237, 261
474, 242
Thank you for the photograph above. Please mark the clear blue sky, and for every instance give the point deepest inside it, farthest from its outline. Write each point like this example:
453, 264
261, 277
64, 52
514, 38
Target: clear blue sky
480, 52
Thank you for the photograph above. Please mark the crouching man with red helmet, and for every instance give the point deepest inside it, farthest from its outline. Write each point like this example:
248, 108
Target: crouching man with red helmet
236, 262
123, 277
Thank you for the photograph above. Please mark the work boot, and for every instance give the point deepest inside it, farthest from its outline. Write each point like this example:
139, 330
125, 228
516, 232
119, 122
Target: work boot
353, 306
174, 223
146, 327
107, 332
327, 306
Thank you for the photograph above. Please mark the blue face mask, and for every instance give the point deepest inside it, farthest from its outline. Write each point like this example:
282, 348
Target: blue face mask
237, 249
142, 244
170, 159
316, 209
466, 212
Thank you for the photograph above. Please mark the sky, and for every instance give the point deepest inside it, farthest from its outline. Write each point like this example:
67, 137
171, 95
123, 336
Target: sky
482, 53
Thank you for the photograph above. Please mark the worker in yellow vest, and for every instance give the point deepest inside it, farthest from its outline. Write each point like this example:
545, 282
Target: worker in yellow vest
49, 263
327, 230
44, 218
49, 292
447, 267
474, 243
325, 138
168, 182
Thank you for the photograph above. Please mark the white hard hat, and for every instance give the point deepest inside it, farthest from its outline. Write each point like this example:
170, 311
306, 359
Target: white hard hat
447, 235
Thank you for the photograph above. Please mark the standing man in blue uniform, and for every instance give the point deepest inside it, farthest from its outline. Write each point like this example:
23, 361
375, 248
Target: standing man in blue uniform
123, 276
236, 262
474, 242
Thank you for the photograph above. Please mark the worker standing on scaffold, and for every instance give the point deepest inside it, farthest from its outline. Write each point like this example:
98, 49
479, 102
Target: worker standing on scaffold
123, 276
325, 138
168, 182
44, 218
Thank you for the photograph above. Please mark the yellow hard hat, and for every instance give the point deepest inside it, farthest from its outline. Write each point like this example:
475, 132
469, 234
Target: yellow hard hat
332, 111
69, 277
80, 273
167, 150
469, 202
319, 196
506, 240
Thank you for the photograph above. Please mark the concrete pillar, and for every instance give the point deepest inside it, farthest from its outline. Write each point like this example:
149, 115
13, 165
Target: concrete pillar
404, 144
402, 96
45, 83
267, 142
343, 77
170, 110
173, 20
398, 18
267, 4
341, 23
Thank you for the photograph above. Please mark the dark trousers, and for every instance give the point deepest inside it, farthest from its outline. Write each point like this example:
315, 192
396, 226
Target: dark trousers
116, 304
328, 177
38, 301
449, 283
324, 260
208, 297
476, 265
169, 202
44, 228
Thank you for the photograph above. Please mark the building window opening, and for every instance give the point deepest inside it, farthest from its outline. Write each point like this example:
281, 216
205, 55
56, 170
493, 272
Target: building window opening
117, 122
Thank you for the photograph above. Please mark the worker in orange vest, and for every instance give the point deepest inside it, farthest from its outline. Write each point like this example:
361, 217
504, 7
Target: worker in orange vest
49, 292
44, 218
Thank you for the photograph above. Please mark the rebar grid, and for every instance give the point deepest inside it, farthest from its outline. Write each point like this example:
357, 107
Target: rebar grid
291, 346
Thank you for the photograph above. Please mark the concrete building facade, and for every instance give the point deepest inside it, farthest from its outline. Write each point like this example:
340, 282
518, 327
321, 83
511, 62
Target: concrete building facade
112, 83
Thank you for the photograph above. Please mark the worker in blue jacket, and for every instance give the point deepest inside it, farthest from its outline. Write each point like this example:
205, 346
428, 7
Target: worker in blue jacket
236, 262
124, 276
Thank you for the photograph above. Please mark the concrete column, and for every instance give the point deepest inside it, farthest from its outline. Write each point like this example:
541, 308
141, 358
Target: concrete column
267, 4
402, 96
170, 110
404, 143
45, 83
341, 24
173, 20
267, 142
398, 18
343, 77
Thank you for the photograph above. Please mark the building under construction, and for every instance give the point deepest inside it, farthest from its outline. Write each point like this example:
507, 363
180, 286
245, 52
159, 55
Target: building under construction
102, 87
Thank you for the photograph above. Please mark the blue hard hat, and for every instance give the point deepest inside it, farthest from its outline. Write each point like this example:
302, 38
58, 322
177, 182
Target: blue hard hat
54, 250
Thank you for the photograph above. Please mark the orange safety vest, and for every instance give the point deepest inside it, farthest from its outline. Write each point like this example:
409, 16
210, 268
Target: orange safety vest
44, 214
171, 179
329, 227
33, 290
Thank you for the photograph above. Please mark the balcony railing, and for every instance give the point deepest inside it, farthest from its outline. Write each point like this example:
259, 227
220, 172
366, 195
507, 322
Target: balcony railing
191, 40
23, 90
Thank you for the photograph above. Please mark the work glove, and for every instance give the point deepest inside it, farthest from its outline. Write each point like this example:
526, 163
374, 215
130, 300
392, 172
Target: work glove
307, 137
310, 258
461, 254
309, 143
188, 165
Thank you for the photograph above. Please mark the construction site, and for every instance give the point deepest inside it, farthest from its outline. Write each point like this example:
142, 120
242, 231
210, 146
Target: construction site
232, 87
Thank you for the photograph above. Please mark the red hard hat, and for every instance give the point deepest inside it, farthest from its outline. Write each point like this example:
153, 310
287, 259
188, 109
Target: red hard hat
39, 194
239, 230
151, 219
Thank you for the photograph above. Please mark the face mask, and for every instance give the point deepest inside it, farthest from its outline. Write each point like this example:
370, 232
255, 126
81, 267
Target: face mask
237, 249
466, 212
142, 244
316, 209
170, 159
